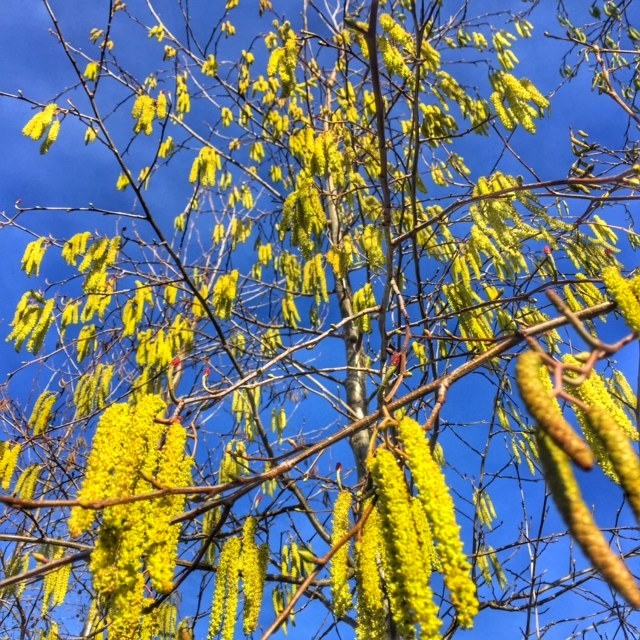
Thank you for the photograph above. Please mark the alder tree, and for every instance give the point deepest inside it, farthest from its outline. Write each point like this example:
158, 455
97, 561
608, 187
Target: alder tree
324, 351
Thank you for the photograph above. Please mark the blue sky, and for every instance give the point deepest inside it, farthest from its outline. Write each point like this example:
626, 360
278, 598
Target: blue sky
73, 175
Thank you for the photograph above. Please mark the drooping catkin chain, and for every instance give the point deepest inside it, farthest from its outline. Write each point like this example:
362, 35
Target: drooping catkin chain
137, 543
546, 410
225, 599
439, 509
566, 494
410, 594
254, 571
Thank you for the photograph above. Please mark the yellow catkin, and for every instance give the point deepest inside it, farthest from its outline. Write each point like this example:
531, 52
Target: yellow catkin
205, 167
8, 464
620, 453
162, 106
51, 137
104, 460
33, 256
26, 483
582, 526
144, 112
372, 617
53, 633
621, 290
594, 392
42, 412
440, 510
254, 569
339, 563
225, 597
126, 451
37, 126
231, 605
174, 470
225, 292
430, 559
51, 593
546, 411
408, 584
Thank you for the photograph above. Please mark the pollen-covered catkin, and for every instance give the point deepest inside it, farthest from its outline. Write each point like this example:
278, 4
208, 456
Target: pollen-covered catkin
440, 512
254, 571
370, 596
546, 411
122, 438
566, 494
174, 470
339, 563
622, 291
225, 598
8, 463
408, 585
42, 412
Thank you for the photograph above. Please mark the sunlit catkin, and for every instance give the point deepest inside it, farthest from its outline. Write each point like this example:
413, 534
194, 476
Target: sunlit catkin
566, 494
8, 463
26, 483
225, 596
594, 393
254, 570
624, 295
339, 563
546, 411
42, 412
372, 624
39, 123
620, 453
407, 582
174, 471
121, 442
55, 583
130, 447
440, 510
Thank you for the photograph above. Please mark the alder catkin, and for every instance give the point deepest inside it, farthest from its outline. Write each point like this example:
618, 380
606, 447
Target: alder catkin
546, 410
408, 586
372, 624
439, 509
624, 295
339, 563
254, 571
225, 598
